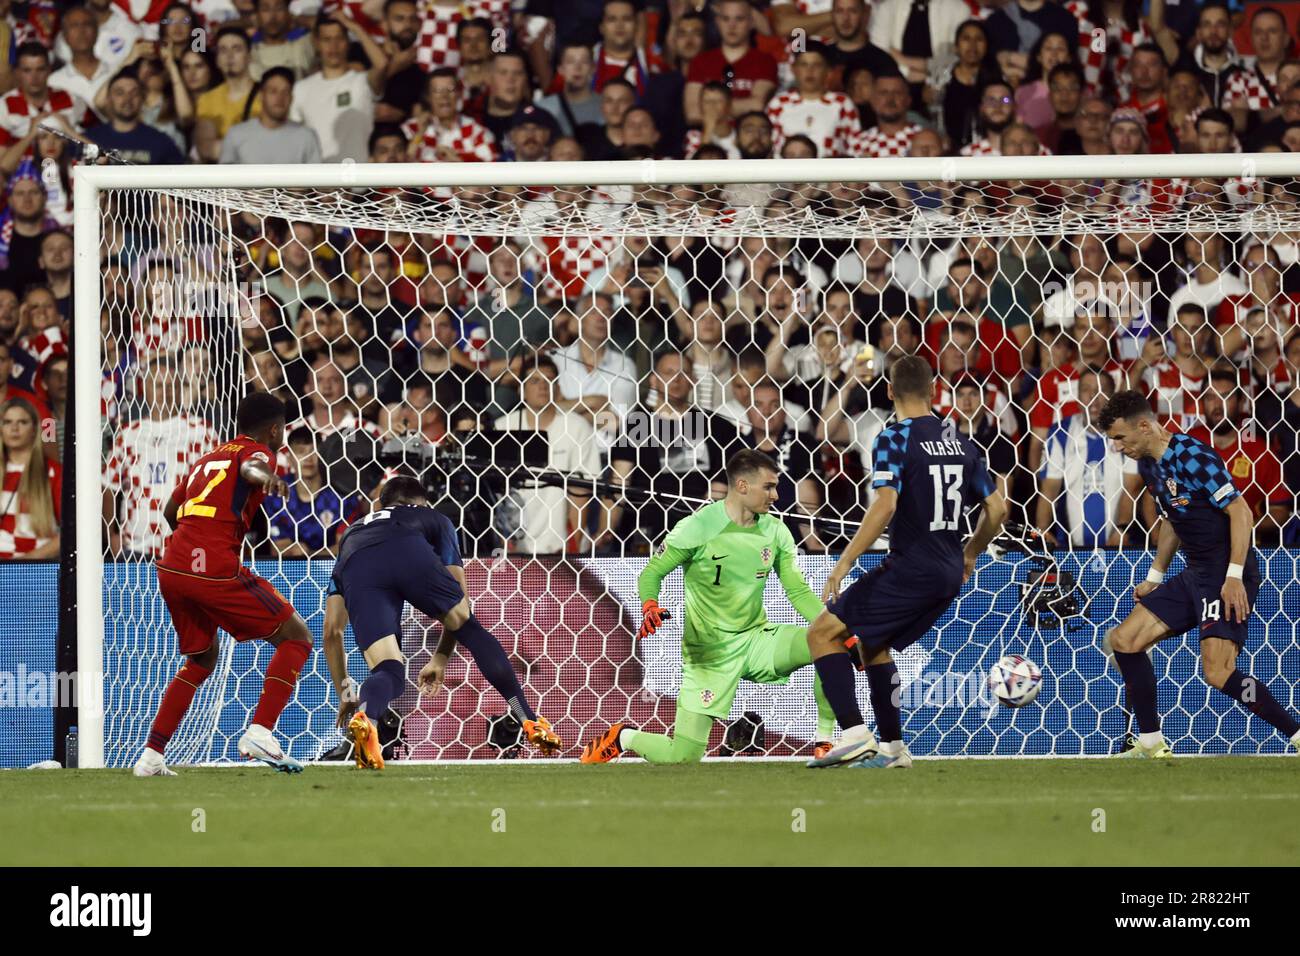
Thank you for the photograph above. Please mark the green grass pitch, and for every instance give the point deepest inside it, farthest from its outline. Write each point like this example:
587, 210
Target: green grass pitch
1206, 811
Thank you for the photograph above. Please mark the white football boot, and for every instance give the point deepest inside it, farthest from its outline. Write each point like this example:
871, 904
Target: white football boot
258, 743
151, 764
857, 742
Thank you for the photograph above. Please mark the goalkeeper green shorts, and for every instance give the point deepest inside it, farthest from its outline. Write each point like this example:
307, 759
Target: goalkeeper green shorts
756, 655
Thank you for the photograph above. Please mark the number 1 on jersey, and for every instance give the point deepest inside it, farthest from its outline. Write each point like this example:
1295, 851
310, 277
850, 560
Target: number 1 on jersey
947, 496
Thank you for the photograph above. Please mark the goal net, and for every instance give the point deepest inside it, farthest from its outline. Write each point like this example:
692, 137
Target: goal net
566, 354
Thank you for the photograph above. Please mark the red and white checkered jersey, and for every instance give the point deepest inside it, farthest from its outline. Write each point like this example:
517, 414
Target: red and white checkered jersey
1058, 393
17, 535
1248, 87
16, 111
570, 259
436, 44
1105, 55
355, 11
1285, 313
809, 8
154, 334
830, 121
1174, 394
694, 139
874, 143
149, 457
466, 137
984, 147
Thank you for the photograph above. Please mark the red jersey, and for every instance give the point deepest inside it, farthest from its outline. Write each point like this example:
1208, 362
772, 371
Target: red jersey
214, 508
1058, 393
751, 68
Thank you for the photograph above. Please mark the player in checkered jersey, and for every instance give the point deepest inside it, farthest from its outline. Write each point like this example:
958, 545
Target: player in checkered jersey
828, 119
450, 136
893, 132
1205, 516
33, 97
149, 455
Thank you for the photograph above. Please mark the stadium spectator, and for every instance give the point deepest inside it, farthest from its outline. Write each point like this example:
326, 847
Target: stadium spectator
32, 487
1175, 379
1252, 94
767, 428
55, 261
1088, 348
685, 41
135, 141
388, 144
916, 36
337, 102
1060, 133
641, 136
605, 140
966, 298
1033, 95
894, 129
1213, 59
675, 449
404, 77
997, 112
811, 109
339, 431
295, 277
974, 409
451, 136
533, 130
717, 125
595, 378
116, 34
271, 137
1208, 280
850, 45
149, 456
617, 53
84, 72
234, 100
1086, 487
279, 42
507, 91
961, 86
432, 349
54, 380
308, 521
1262, 270
551, 518
576, 104
22, 224
11, 357
747, 71
711, 361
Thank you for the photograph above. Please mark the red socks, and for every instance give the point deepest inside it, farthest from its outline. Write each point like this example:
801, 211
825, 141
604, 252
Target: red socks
281, 675
176, 701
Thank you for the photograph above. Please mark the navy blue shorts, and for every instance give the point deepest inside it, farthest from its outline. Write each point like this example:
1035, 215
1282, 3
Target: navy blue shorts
377, 581
893, 605
1189, 600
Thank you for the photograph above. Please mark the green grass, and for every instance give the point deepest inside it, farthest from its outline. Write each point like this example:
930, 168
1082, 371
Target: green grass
1217, 811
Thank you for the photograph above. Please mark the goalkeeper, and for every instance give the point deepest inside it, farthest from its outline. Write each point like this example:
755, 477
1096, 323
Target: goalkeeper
727, 550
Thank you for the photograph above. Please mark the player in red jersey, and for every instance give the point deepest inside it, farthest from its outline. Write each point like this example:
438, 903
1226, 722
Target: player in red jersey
206, 587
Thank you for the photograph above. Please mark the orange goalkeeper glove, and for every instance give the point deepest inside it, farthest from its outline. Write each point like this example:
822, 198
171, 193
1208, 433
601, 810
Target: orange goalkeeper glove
652, 616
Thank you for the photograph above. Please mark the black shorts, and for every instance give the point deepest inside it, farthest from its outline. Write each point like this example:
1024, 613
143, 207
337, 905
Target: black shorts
374, 590
894, 604
1189, 600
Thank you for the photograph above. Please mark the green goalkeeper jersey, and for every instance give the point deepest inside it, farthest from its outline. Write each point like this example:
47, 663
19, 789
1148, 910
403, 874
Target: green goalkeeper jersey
725, 569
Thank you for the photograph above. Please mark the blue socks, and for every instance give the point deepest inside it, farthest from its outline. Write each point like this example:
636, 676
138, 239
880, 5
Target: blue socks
836, 672
495, 666
883, 681
1255, 697
1140, 685
382, 686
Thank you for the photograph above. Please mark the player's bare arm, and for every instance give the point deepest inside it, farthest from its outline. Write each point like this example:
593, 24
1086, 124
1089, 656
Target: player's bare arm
1240, 525
1167, 545
432, 674
874, 524
170, 510
260, 473
336, 620
990, 523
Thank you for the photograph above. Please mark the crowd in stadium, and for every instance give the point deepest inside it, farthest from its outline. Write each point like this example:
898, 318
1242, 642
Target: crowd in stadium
646, 361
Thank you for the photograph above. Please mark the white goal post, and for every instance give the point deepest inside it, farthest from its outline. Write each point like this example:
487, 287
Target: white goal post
303, 192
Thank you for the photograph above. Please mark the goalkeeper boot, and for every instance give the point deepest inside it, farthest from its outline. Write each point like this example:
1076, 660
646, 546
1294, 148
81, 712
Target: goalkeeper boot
892, 756
857, 742
365, 742
151, 764
1161, 751
258, 743
605, 747
540, 735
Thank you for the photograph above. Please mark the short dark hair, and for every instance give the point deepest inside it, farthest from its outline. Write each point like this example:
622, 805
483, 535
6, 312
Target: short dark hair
912, 377
402, 490
383, 130
235, 32
283, 72
1069, 68
542, 363
480, 23
1213, 115
257, 411
32, 48
748, 462
1225, 371
302, 435
1126, 405
1150, 48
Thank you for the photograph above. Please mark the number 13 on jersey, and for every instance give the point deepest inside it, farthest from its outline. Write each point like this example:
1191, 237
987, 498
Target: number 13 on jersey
947, 496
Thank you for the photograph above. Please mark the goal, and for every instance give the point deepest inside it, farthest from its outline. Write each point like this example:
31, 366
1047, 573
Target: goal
565, 352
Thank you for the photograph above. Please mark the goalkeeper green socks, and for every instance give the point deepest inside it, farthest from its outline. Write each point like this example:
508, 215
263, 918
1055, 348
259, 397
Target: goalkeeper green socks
687, 744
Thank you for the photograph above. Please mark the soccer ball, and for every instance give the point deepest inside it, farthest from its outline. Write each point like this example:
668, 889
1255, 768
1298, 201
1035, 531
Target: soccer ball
1015, 680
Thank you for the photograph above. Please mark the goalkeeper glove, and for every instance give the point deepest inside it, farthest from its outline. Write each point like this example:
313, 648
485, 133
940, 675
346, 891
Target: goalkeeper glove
652, 616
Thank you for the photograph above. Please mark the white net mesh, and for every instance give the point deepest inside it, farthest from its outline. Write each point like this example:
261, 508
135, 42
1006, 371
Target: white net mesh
650, 332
